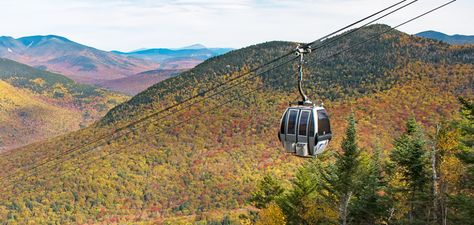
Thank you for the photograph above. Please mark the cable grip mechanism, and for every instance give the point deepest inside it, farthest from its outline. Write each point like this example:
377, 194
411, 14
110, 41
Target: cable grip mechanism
301, 51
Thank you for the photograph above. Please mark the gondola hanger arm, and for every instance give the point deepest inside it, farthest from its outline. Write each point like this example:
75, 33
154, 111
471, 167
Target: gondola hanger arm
301, 51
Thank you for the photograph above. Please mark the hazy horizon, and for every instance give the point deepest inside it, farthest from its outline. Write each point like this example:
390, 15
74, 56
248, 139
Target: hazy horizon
127, 25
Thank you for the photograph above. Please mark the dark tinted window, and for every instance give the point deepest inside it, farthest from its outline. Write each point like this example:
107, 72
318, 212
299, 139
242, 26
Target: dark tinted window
283, 123
292, 122
323, 123
311, 126
303, 123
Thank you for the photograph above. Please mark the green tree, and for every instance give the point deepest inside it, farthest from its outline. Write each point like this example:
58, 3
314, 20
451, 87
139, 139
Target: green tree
463, 203
466, 126
268, 189
347, 167
296, 203
343, 180
410, 159
373, 204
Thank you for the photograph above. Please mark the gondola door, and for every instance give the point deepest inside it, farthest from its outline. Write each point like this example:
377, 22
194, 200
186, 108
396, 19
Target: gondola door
282, 133
311, 134
291, 129
302, 141
324, 134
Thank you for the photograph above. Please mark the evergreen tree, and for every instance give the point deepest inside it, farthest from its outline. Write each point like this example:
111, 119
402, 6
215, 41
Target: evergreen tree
297, 202
347, 166
343, 179
410, 159
463, 203
467, 138
267, 191
373, 203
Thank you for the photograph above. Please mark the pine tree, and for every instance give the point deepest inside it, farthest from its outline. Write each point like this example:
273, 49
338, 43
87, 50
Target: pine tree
296, 203
373, 203
309, 202
347, 166
268, 190
411, 161
343, 180
467, 137
463, 203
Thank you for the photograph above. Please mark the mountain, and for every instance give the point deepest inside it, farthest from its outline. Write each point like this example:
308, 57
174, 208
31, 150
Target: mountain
81, 63
109, 70
194, 46
36, 104
181, 58
135, 84
179, 170
450, 39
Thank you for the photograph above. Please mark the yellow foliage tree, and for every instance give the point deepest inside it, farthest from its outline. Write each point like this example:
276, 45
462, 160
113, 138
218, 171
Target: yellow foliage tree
448, 171
272, 215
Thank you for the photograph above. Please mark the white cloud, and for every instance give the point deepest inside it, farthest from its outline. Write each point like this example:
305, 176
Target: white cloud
132, 24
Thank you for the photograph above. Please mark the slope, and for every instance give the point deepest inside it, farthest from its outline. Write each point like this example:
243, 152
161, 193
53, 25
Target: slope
36, 104
175, 168
24, 117
328, 78
140, 82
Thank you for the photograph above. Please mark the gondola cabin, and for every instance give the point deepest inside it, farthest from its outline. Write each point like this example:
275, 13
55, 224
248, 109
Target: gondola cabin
305, 130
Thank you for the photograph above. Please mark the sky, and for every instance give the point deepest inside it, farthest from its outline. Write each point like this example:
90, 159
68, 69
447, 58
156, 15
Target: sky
127, 25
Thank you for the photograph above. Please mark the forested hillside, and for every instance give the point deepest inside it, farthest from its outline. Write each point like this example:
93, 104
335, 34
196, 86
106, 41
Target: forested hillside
139, 82
36, 104
366, 69
177, 169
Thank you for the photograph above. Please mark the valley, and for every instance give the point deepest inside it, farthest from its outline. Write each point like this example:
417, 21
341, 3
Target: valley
36, 105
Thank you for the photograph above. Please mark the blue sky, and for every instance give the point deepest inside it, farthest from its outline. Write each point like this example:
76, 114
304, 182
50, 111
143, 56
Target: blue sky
133, 24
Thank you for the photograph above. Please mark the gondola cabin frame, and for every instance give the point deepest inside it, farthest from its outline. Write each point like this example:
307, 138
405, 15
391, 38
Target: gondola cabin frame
305, 130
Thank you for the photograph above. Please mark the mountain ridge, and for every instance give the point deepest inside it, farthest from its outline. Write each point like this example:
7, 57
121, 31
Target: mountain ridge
456, 39
193, 46
351, 70
80, 62
90, 65
197, 53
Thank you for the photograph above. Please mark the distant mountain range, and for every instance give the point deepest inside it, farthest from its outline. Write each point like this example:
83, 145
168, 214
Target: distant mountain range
187, 57
89, 65
79, 62
456, 39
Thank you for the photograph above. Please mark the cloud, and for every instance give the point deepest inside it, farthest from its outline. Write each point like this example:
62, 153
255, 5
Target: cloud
132, 24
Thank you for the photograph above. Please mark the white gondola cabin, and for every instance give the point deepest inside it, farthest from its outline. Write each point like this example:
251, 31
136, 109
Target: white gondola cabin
305, 130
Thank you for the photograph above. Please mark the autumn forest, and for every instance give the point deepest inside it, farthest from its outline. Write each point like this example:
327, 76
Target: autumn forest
402, 117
